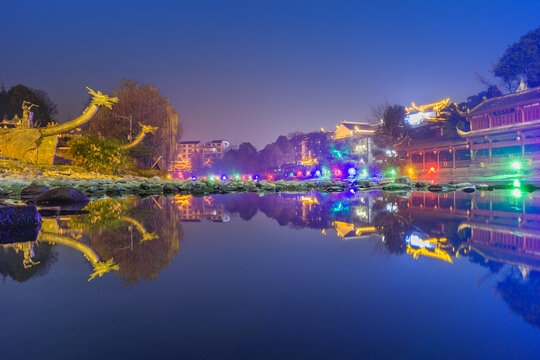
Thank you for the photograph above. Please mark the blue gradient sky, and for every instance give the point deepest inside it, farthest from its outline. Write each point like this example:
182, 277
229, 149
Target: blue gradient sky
252, 70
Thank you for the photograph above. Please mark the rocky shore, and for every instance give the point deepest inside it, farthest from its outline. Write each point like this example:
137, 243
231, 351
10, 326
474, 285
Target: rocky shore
94, 188
143, 187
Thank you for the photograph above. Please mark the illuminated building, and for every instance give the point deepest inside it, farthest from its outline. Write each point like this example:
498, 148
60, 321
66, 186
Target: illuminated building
504, 138
195, 154
427, 114
505, 129
348, 129
360, 133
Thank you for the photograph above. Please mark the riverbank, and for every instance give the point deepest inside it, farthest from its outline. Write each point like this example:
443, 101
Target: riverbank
11, 186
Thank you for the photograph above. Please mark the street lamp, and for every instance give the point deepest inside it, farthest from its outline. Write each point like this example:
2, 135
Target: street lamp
130, 118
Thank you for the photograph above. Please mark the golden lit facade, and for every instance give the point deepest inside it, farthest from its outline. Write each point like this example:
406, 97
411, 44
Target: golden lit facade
197, 209
195, 154
416, 115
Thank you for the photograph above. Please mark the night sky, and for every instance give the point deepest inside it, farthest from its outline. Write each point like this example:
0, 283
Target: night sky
254, 70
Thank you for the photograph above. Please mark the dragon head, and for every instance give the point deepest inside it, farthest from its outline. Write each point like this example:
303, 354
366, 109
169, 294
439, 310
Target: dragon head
101, 268
147, 129
100, 99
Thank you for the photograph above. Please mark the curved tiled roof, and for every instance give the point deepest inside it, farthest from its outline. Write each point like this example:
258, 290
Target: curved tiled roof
359, 125
506, 101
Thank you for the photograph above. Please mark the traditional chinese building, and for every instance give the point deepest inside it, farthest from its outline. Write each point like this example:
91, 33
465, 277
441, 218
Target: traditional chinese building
361, 136
505, 129
504, 137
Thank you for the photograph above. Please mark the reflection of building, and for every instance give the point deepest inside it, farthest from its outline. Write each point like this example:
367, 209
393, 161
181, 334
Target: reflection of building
194, 154
197, 209
350, 231
500, 226
432, 247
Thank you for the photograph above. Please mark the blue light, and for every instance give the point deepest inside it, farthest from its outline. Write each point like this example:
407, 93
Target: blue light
224, 178
352, 172
418, 242
194, 178
256, 177
318, 173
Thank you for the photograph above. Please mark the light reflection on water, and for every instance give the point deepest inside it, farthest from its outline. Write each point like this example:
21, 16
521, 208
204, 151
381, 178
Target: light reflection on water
136, 240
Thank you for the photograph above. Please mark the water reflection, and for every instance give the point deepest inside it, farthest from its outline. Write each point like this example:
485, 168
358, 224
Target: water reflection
136, 239
131, 237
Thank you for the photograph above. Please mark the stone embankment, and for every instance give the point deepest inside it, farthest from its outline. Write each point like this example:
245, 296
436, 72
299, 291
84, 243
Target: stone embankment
73, 193
28, 189
138, 186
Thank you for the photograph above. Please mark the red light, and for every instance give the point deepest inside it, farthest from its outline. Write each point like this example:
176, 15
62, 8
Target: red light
299, 173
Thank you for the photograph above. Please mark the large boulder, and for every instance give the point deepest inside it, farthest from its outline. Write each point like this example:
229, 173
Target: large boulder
403, 180
442, 188
33, 190
61, 196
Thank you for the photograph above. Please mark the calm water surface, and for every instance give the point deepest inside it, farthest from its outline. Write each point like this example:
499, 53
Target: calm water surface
278, 277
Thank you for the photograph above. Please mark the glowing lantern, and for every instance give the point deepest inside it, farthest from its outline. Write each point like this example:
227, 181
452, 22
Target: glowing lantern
516, 193
352, 172
517, 184
299, 174
256, 177
224, 178
516, 165
318, 173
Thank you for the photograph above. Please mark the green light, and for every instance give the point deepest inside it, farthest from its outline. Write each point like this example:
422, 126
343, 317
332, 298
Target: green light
516, 165
364, 173
517, 184
212, 178
393, 172
516, 193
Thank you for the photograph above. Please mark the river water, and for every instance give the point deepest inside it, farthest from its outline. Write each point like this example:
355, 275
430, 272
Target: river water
313, 276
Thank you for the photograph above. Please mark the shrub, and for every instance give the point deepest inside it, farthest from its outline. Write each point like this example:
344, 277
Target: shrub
98, 154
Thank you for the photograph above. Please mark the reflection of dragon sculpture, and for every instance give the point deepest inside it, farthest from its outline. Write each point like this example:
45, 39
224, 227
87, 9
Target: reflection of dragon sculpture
100, 267
140, 228
38, 145
145, 129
